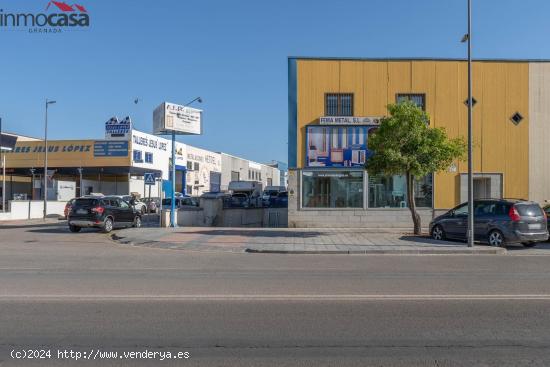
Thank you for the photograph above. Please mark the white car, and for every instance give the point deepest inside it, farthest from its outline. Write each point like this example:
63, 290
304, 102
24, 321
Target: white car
139, 205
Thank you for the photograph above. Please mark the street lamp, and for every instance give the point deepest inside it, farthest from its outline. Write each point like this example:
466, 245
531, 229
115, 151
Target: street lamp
3, 159
46, 159
468, 38
173, 201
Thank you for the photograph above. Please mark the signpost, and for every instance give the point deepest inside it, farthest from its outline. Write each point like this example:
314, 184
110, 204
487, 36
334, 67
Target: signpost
149, 178
170, 118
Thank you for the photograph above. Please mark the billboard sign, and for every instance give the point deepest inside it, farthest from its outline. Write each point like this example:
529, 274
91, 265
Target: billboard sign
337, 146
170, 117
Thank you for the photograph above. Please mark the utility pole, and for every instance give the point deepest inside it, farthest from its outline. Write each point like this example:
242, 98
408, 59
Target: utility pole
470, 158
46, 159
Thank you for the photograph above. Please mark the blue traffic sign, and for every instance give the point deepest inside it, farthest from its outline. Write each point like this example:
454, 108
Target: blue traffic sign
149, 178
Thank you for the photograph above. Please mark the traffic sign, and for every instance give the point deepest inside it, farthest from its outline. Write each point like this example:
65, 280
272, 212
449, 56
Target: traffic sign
149, 178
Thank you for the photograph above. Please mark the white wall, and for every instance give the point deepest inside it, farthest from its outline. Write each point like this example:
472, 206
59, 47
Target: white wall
30, 209
160, 148
539, 131
208, 162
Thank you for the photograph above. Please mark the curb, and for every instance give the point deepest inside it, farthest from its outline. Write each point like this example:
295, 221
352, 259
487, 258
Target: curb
495, 251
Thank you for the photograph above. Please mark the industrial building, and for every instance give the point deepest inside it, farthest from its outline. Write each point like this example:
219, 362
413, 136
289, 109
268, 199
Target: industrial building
335, 103
116, 164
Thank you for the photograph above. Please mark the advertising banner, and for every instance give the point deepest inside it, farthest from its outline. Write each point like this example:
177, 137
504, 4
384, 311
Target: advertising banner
335, 146
170, 117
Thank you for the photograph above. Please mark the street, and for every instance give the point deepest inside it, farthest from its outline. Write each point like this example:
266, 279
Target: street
84, 292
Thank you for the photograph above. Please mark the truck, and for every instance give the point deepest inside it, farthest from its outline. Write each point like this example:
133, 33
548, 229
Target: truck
246, 193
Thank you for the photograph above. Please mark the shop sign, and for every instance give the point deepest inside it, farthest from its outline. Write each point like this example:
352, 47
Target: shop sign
349, 120
111, 148
115, 129
151, 142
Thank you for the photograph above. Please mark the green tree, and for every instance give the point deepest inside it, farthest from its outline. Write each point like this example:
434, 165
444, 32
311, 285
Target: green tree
406, 144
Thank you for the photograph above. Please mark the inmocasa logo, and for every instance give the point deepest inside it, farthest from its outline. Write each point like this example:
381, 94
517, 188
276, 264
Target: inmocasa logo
60, 16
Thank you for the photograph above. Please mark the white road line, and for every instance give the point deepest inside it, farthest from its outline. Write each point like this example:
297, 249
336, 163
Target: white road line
277, 297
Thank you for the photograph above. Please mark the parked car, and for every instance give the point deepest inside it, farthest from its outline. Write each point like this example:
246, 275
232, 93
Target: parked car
138, 204
547, 212
68, 206
181, 202
270, 193
496, 221
106, 212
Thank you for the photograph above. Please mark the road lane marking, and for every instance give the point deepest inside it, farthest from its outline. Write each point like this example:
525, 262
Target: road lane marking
276, 297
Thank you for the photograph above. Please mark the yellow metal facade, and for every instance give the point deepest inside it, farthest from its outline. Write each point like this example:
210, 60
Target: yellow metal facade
61, 153
500, 88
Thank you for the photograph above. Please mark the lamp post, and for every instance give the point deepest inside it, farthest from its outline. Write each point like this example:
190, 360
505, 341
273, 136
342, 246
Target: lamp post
46, 158
32, 183
173, 199
3, 159
468, 37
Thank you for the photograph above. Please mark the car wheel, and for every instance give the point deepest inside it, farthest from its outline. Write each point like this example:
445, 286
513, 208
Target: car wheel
496, 238
108, 225
529, 244
438, 233
74, 229
137, 222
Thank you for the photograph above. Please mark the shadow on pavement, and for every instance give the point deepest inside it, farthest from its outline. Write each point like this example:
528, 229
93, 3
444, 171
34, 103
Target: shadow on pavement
20, 226
258, 233
428, 240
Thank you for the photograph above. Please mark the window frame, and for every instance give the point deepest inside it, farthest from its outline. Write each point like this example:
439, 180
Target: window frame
150, 155
140, 154
409, 95
339, 104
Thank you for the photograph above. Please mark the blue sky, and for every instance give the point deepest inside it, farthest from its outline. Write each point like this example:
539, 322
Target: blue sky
234, 55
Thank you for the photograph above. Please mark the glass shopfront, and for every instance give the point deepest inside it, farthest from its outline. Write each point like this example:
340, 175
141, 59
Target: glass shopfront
391, 191
332, 189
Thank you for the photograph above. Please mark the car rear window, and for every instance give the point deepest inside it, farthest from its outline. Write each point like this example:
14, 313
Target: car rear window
529, 210
85, 202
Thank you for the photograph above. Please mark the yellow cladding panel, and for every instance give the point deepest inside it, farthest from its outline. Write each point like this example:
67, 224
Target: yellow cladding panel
63, 153
500, 88
315, 78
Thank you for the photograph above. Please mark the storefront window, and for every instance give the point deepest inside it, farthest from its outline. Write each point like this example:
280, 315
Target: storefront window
391, 191
332, 189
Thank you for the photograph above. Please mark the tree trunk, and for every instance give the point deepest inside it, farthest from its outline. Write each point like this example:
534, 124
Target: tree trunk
412, 205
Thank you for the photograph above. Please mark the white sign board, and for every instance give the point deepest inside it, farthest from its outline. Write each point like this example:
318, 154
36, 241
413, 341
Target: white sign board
170, 117
349, 120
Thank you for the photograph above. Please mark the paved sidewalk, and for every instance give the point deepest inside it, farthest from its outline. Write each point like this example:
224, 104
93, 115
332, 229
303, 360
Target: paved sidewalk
295, 241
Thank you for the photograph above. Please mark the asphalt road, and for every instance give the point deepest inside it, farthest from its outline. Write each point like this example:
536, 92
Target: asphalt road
61, 291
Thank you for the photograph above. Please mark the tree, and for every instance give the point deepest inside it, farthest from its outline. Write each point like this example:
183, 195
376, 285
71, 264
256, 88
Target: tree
406, 144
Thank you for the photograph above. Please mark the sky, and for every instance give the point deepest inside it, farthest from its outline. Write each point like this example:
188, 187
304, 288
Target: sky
233, 54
